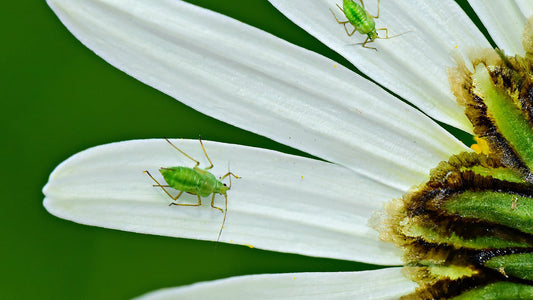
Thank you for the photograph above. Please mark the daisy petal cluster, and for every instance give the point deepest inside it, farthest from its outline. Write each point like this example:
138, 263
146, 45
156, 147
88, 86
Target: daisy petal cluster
373, 146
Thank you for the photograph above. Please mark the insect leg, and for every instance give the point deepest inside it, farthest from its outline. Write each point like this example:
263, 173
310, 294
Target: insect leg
225, 212
228, 174
165, 190
213, 203
363, 5
377, 16
185, 204
367, 41
342, 22
348, 33
203, 148
338, 21
176, 198
197, 162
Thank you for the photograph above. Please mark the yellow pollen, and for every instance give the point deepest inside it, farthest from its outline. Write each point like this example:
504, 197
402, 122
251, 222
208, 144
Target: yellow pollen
481, 146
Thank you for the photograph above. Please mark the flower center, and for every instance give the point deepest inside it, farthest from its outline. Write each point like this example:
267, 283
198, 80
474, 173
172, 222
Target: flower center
467, 233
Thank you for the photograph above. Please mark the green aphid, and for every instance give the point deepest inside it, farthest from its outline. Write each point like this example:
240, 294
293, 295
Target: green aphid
361, 20
195, 181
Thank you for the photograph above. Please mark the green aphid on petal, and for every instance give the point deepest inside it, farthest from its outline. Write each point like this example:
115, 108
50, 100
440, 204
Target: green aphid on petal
467, 233
362, 21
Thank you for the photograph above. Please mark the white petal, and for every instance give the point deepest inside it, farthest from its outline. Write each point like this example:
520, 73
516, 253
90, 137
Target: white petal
258, 82
283, 203
412, 65
505, 21
377, 284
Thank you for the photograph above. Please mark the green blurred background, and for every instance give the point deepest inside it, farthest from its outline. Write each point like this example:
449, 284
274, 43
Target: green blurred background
58, 98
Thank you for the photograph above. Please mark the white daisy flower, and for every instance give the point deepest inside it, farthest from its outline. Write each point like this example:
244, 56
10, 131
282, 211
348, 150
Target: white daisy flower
373, 146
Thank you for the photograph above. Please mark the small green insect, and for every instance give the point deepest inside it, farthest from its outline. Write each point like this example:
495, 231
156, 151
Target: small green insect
195, 181
361, 20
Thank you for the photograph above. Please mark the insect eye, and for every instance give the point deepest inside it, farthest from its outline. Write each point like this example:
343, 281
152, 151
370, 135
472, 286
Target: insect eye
224, 184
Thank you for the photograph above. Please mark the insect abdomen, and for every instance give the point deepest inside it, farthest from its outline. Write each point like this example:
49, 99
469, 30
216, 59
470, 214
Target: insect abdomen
361, 20
194, 181
182, 178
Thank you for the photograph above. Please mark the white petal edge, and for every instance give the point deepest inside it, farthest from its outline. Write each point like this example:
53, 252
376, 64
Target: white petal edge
378, 284
413, 65
282, 203
253, 80
505, 21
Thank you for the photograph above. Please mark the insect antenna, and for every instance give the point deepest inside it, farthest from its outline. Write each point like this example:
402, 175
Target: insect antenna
225, 207
225, 212
392, 36
226, 199
367, 41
